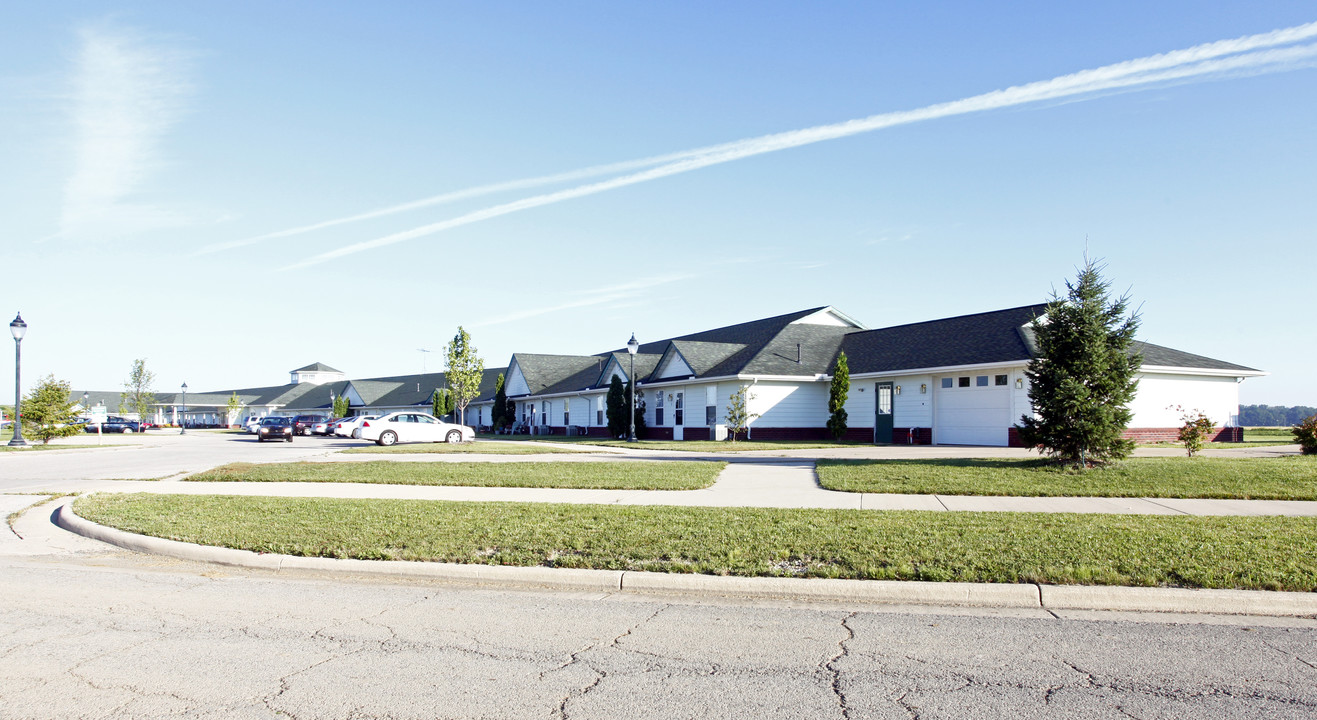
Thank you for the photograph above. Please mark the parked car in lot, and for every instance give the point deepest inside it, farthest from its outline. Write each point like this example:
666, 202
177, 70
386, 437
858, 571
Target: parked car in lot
410, 426
253, 424
302, 423
351, 426
275, 428
117, 425
321, 427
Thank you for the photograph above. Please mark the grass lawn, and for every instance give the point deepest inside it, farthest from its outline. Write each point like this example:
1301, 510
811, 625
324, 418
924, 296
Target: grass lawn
7, 434
493, 447
700, 446
633, 475
1291, 478
1271, 553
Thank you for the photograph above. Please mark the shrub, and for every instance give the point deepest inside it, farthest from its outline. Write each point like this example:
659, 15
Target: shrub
1195, 430
1305, 434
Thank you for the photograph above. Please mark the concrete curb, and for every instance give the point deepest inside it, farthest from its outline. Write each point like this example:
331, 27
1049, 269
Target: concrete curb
1180, 600
1050, 597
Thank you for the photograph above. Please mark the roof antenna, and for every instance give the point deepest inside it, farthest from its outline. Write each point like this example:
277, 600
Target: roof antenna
423, 352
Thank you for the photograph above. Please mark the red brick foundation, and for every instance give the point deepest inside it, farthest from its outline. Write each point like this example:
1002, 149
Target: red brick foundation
774, 433
903, 436
912, 436
1172, 434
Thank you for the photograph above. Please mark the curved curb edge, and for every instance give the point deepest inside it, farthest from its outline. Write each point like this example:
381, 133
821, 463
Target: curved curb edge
997, 595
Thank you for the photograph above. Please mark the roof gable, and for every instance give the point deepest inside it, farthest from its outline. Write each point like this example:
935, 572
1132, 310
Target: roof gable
672, 365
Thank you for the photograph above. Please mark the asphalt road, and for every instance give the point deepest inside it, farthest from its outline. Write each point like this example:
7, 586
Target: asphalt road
87, 631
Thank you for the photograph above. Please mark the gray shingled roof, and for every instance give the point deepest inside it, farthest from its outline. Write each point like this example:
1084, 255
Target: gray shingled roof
646, 364
548, 374
403, 390
991, 337
966, 340
705, 356
765, 347
317, 367
1167, 357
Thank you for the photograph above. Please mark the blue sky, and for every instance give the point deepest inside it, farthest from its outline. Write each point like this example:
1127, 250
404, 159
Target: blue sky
156, 154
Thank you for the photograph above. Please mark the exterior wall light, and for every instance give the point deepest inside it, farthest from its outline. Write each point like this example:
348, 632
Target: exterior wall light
1019, 383
923, 388
898, 389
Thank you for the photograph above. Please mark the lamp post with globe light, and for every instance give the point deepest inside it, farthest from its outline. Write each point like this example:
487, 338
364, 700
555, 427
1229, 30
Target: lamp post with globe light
182, 417
18, 329
631, 347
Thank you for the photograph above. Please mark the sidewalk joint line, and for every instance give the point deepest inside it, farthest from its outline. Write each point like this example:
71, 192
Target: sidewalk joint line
1168, 507
939, 502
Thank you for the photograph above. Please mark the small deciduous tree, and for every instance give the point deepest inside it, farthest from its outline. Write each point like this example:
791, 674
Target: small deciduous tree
1195, 428
465, 371
738, 415
1083, 376
442, 402
48, 411
232, 408
615, 405
137, 396
841, 387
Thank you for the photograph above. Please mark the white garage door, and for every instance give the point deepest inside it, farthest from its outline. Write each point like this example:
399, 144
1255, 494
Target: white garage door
972, 410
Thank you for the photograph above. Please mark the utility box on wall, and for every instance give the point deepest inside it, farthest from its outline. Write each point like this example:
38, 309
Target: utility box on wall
719, 432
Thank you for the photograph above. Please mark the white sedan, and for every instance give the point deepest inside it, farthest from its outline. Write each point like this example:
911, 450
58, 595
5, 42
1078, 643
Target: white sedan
410, 426
351, 426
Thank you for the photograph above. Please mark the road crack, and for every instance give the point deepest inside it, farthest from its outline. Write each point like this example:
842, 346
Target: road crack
577, 658
834, 672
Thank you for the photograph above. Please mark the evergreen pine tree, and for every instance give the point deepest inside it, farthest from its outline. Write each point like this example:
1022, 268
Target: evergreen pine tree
442, 402
841, 387
498, 415
1082, 377
48, 411
615, 405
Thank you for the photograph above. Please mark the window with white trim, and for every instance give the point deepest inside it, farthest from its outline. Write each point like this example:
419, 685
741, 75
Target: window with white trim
658, 410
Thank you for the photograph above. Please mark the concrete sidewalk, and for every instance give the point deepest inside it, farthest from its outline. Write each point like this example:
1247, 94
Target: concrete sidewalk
780, 483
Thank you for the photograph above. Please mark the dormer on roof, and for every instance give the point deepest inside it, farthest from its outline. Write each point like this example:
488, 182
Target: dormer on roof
317, 374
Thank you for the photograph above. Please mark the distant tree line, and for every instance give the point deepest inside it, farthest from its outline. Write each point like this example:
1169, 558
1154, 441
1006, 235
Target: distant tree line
1274, 415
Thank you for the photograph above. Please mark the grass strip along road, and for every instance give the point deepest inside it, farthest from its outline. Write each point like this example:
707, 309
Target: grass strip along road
1260, 553
1288, 478
625, 475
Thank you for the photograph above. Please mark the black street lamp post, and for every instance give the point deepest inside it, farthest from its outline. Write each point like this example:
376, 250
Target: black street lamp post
182, 417
631, 347
18, 329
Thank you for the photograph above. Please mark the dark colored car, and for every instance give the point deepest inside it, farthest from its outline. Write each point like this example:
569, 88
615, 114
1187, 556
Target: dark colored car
302, 424
117, 425
275, 428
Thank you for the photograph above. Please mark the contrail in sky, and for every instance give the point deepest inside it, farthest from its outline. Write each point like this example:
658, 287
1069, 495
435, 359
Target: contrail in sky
1252, 54
477, 191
